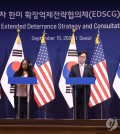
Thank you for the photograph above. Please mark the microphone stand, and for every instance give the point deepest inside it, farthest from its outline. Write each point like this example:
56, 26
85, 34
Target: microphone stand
74, 108
18, 112
85, 105
28, 101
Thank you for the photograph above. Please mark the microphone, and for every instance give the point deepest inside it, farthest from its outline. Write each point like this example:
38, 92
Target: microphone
88, 67
30, 64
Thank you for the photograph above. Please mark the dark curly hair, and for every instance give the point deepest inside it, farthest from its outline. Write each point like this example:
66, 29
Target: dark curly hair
29, 69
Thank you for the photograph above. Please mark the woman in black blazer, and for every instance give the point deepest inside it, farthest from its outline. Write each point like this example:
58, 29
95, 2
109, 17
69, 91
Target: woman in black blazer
23, 90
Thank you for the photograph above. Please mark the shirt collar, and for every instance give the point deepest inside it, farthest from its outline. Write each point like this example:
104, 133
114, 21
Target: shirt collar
81, 64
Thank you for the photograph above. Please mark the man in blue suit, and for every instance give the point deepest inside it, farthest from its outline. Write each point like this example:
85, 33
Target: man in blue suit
81, 70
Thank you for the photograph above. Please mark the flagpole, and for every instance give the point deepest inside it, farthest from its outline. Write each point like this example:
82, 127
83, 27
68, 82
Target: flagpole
45, 112
72, 41
101, 111
43, 42
19, 99
101, 107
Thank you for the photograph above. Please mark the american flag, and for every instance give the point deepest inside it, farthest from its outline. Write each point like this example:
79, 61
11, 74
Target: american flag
44, 90
100, 91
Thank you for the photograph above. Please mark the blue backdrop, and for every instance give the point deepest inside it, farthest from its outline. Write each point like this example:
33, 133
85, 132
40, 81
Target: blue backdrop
57, 50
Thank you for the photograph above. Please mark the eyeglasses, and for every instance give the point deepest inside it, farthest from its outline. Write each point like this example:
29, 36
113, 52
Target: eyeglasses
82, 57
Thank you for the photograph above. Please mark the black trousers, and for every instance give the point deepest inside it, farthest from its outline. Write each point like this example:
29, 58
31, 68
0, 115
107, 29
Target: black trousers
79, 104
21, 107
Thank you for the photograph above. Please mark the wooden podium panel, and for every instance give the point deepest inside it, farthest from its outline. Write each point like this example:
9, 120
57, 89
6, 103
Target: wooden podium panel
54, 126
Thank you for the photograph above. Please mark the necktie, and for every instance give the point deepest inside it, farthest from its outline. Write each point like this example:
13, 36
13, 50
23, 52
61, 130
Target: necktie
81, 70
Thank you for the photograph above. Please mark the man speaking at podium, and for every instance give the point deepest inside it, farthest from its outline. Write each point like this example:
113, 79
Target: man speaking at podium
81, 70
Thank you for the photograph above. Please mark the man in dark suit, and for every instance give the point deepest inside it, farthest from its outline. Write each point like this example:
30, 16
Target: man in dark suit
81, 70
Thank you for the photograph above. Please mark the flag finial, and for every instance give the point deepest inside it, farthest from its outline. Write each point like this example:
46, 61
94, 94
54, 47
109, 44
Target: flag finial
97, 39
43, 38
73, 37
18, 31
73, 30
18, 40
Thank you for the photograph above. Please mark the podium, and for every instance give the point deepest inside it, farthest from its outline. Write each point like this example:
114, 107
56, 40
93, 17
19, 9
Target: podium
23, 80
80, 81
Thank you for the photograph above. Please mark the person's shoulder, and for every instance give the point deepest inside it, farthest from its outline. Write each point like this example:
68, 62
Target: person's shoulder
88, 65
33, 74
74, 66
15, 74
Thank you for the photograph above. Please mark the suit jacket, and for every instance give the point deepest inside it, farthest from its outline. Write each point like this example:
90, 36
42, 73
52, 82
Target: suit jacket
75, 72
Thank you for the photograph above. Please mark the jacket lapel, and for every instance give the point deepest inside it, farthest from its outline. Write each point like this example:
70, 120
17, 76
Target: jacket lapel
78, 70
85, 68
